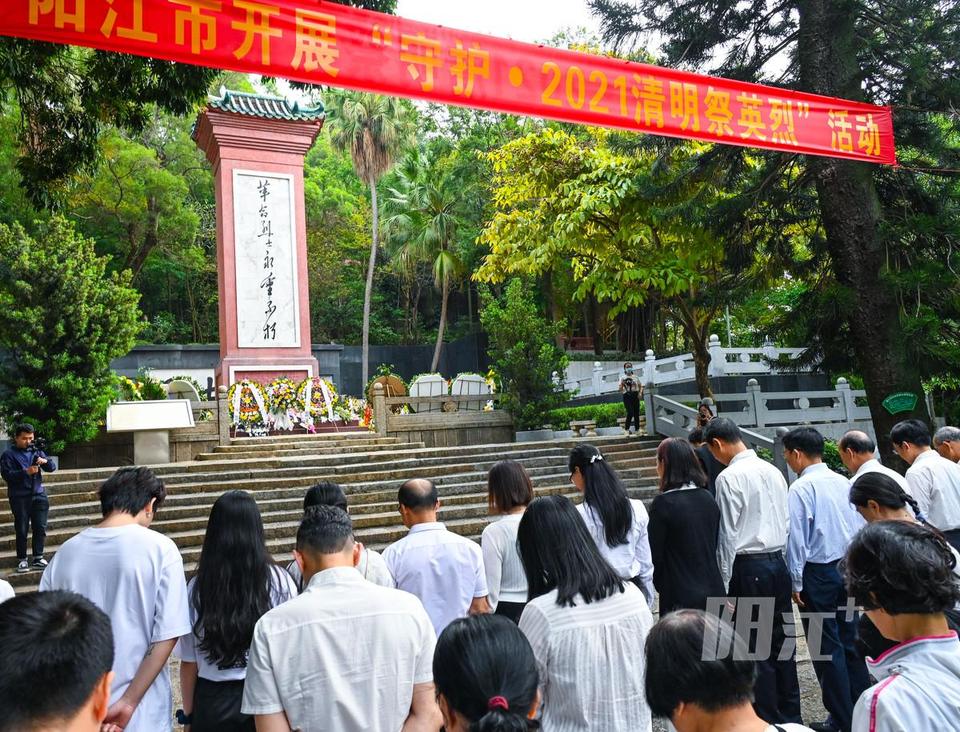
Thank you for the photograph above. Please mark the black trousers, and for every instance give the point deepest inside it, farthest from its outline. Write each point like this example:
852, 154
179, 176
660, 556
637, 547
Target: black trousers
512, 610
631, 401
216, 707
777, 689
30, 512
842, 674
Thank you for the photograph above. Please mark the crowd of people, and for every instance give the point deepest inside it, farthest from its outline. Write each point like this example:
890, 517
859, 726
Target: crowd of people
547, 624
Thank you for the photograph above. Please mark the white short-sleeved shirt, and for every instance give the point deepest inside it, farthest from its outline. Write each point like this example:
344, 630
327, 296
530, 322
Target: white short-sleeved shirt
344, 655
282, 588
633, 558
506, 580
935, 484
443, 569
6, 591
135, 576
591, 661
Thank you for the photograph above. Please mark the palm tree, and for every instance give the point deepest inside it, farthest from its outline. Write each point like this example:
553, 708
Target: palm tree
423, 206
373, 129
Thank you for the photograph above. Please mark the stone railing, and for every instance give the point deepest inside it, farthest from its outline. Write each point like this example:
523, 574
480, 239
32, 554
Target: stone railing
604, 379
458, 422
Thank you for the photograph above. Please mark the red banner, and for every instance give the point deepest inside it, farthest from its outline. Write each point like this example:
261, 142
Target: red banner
327, 43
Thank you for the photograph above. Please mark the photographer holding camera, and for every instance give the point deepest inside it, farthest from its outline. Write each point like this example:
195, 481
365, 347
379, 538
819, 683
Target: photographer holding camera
20, 466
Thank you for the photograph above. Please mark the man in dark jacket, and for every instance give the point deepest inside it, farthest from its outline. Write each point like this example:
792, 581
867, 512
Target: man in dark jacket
20, 466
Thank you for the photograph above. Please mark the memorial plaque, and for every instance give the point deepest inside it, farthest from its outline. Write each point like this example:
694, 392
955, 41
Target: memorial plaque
268, 303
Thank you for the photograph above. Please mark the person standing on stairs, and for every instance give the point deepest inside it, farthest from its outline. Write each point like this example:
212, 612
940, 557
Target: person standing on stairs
617, 524
371, 565
443, 569
509, 491
135, 576
21, 465
632, 391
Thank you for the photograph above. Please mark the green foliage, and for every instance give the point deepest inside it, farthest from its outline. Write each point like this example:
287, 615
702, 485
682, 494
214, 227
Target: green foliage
605, 415
831, 456
524, 355
62, 319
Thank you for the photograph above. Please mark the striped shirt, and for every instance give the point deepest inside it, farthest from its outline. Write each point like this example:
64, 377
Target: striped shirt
506, 579
591, 663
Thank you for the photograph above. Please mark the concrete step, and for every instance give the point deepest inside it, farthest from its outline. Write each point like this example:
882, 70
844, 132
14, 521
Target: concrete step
273, 451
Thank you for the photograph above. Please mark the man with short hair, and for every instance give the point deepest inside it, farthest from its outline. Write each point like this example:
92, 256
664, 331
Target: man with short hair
823, 522
947, 441
701, 677
55, 664
934, 481
752, 495
21, 465
858, 455
135, 575
443, 569
346, 655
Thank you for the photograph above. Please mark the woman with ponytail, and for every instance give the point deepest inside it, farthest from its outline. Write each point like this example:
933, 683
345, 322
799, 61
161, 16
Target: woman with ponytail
617, 524
486, 676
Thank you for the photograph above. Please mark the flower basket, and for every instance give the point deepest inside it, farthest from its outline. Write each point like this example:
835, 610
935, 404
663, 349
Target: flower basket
282, 404
247, 406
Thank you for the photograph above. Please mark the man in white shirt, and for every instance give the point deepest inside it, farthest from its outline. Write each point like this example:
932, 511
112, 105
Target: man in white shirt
823, 522
346, 655
752, 495
443, 569
858, 455
135, 576
934, 481
947, 442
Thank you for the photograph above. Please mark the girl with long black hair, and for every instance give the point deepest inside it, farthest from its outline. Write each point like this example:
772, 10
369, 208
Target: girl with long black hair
486, 676
236, 583
586, 625
617, 523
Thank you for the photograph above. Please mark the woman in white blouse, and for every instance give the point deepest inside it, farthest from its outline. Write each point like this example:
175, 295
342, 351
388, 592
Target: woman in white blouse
586, 625
509, 492
617, 524
236, 583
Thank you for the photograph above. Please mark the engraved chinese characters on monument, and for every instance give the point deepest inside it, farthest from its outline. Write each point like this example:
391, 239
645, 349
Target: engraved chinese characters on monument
268, 313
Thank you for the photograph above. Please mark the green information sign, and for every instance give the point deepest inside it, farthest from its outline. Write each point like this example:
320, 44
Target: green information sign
902, 401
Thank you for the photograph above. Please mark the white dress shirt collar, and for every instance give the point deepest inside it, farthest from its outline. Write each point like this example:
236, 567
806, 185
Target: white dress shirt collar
745, 455
867, 467
427, 526
333, 576
814, 468
924, 456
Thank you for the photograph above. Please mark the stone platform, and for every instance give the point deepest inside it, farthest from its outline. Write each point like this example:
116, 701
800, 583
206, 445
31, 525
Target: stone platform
277, 471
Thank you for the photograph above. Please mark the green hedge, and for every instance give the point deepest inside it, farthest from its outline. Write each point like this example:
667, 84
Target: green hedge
605, 415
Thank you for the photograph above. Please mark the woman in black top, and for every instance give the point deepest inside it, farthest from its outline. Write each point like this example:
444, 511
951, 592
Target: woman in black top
684, 528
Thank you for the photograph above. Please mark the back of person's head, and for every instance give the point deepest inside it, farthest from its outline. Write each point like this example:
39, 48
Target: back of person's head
946, 434
603, 493
418, 494
508, 486
24, 428
234, 577
901, 567
696, 436
485, 671
859, 442
130, 490
324, 530
57, 649
806, 440
694, 657
325, 493
680, 465
882, 489
557, 552
910, 430
723, 429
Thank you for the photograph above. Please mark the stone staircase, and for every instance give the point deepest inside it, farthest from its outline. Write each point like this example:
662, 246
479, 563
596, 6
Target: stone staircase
277, 471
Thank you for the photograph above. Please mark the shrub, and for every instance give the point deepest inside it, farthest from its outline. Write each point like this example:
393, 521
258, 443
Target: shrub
524, 354
605, 415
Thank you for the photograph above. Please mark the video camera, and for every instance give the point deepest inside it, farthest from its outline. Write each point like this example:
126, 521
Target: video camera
37, 446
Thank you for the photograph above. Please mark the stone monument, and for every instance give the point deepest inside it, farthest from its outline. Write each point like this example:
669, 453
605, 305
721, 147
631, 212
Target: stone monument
257, 145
